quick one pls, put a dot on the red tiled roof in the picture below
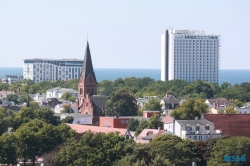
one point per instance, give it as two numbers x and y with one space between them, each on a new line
147 131
167 119
83 128
231 124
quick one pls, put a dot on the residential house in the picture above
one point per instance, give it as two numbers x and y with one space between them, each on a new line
58 92
60 107
142 101
7 102
78 118
217 104
244 110
147 135
230 124
169 103
198 129
38 97
96 129
3 94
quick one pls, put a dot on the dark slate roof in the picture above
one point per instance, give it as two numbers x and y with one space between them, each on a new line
99 102
230 124
170 99
219 101
87 65
194 122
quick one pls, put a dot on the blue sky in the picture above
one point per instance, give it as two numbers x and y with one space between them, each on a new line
121 34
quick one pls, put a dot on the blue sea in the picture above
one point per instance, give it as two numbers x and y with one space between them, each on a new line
226 75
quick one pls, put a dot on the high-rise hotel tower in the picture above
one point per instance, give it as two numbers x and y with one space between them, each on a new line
190 55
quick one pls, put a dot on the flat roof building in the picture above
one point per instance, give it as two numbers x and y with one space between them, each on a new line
190 55
39 70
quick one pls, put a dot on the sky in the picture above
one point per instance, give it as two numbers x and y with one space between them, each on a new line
121 34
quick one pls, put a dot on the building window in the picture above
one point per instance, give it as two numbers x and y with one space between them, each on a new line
197 128
122 121
207 127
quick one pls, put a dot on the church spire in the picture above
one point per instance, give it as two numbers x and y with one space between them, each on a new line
87 68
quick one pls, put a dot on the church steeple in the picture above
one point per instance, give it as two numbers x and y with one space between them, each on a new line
87 68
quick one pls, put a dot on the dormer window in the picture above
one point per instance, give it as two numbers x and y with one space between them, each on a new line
188 127
197 128
207 127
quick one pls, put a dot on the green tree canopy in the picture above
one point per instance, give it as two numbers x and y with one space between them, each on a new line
230 110
190 109
122 103
152 123
200 89
13 97
68 119
233 146
153 104
178 151
132 124
35 138
91 149
66 95
8 149
67 109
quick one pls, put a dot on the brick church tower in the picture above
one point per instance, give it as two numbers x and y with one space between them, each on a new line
88 100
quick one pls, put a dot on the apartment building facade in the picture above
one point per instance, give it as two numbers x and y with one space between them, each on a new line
39 70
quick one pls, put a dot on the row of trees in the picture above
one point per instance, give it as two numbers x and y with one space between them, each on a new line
111 149
146 87
30 133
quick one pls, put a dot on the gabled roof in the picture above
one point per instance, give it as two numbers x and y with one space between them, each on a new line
194 122
83 128
167 119
147 132
219 101
87 68
99 102
230 124
170 99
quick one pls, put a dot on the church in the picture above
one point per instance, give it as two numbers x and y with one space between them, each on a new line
88 100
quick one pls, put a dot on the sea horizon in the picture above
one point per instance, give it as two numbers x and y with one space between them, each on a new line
232 76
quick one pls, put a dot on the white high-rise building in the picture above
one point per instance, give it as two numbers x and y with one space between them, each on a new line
39 70
190 55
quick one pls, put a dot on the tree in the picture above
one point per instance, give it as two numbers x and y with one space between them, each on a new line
67 109
132 124
4 86
68 119
47 115
122 103
91 149
35 138
66 95
236 102
24 98
154 122
200 89
190 109
72 99
178 151
3 122
8 149
13 97
153 104
231 151
142 125
34 88
230 110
